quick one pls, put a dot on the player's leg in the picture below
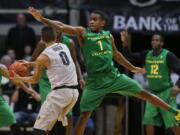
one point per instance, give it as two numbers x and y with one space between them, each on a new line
46 118
127 86
90 100
149 130
39 132
176 130
153 99
69 127
134 89
168 118
68 111
152 117
81 124
68 108
50 111
7 117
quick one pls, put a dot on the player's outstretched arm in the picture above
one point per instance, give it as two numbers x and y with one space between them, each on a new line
120 59
71 30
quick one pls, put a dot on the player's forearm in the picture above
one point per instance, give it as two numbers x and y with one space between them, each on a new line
120 59
31 64
52 23
24 87
30 91
59 26
29 79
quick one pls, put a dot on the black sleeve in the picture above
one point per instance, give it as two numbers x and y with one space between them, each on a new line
174 65
137 57
8 41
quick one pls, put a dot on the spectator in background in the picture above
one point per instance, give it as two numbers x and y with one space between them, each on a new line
141 79
12 54
6 85
6 60
25 107
27 52
19 36
174 78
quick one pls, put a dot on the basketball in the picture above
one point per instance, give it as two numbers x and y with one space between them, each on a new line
18 68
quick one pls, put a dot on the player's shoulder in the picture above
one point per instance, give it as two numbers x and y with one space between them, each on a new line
57 47
63 45
42 58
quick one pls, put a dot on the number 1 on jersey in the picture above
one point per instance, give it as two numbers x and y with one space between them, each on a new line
100 45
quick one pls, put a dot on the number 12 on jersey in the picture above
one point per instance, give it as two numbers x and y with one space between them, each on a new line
154 69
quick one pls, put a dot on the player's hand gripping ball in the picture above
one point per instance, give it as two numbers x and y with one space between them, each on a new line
18 68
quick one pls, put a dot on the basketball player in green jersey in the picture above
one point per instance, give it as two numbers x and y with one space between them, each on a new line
44 84
158 63
99 50
7 117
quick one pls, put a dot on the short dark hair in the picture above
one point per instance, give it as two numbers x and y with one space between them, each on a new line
102 15
161 36
48 34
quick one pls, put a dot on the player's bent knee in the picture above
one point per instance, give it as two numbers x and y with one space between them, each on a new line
39 132
85 116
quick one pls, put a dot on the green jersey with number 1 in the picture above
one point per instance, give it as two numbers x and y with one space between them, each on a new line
97 52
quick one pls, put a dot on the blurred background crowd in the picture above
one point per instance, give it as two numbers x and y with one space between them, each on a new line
19 34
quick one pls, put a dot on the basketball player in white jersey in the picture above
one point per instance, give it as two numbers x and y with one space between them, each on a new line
61 72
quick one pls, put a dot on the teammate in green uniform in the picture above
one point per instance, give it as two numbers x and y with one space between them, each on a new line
158 63
99 50
7 117
44 84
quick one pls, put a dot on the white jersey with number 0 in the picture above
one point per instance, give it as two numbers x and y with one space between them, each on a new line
61 70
